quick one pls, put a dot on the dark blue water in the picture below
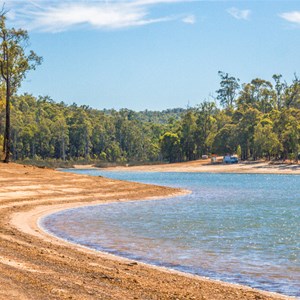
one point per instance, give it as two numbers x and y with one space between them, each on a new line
234 227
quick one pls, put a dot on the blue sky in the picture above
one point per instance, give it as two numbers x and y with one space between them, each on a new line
154 54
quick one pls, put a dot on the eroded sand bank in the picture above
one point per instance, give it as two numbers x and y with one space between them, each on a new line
35 265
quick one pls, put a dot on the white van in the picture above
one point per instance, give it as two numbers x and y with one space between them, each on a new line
230 159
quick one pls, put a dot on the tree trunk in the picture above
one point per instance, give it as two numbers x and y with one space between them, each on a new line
15 154
33 149
86 148
4 147
63 147
7 124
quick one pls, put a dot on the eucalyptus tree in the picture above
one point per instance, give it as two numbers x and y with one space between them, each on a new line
225 141
280 88
206 127
14 65
287 127
258 94
292 94
245 131
228 91
170 147
188 134
80 131
266 142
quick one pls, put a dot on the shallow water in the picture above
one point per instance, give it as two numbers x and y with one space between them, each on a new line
234 227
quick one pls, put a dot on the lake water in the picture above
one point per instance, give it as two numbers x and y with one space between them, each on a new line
237 228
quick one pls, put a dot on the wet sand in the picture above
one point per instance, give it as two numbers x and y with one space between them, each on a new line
36 265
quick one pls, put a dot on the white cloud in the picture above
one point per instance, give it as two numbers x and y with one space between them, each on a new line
293 16
191 19
239 13
56 16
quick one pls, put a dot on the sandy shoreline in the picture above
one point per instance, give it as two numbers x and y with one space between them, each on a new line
204 166
36 265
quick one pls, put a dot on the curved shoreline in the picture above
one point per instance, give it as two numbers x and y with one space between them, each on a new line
120 257
33 218
29 221
35 265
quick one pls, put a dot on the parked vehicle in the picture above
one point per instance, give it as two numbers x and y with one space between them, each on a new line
230 159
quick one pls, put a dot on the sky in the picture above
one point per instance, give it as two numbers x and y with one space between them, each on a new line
154 54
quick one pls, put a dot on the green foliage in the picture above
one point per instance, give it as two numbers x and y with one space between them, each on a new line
47 130
257 125
188 133
170 147
229 87
226 140
206 120
266 142
155 117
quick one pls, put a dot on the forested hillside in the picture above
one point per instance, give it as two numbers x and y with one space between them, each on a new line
260 119
43 129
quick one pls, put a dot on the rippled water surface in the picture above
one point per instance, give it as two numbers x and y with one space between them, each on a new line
233 227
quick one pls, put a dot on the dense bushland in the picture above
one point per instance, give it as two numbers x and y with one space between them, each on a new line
256 120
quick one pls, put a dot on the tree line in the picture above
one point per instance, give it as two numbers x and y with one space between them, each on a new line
259 119
255 120
43 129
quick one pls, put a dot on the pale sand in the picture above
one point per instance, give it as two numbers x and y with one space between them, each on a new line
204 166
36 265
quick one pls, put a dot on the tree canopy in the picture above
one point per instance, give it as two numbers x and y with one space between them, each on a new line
254 126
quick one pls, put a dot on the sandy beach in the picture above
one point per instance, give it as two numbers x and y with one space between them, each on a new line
203 166
36 265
